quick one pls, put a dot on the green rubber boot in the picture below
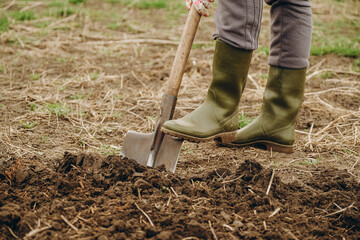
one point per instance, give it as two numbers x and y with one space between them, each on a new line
218 115
274 128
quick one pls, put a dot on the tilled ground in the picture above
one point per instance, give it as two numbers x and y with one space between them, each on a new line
92 197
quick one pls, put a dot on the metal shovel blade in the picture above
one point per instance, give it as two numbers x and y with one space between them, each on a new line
168 153
137 146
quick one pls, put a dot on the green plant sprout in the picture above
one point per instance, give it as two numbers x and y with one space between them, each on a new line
58 109
244 120
28 125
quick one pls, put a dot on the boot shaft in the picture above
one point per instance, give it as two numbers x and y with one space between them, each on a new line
230 70
283 95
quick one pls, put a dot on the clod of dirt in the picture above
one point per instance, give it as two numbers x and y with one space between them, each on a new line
142 184
21 175
195 229
10 214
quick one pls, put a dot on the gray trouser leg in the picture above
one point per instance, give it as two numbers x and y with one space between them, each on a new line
238 22
290 33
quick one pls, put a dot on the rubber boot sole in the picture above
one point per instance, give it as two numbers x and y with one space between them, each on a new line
261 144
219 136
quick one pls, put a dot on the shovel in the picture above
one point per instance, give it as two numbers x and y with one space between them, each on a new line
156 148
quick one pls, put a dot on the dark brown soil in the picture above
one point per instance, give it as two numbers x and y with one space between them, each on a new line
107 198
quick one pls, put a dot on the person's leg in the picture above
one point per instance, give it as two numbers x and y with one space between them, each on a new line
238 22
290 48
238 25
291 28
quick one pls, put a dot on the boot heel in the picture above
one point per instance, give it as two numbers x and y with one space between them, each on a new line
226 138
277 148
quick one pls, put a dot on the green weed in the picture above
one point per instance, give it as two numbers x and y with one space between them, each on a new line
147 4
63 28
351 152
65 12
276 165
264 50
311 161
1 105
42 24
106 51
28 125
190 152
43 33
57 4
61 88
356 65
35 76
82 114
58 109
116 115
153 118
158 4
61 60
77 96
77 1
32 107
23 16
174 10
264 76
119 97
200 45
2 69
347 49
61 9
327 75
94 75
114 26
109 150
44 138
4 24
108 130
186 150
81 143
164 189
244 120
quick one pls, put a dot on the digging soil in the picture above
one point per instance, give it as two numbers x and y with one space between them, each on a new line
92 197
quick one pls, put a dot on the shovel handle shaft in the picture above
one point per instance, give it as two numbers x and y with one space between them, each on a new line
183 51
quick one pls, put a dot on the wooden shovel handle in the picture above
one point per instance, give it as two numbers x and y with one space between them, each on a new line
182 53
